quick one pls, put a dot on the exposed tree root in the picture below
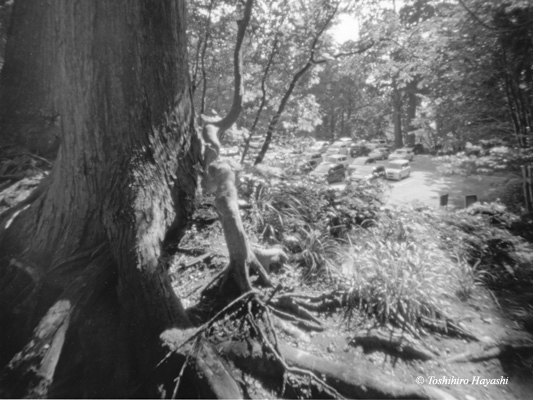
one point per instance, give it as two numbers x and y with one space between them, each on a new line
216 373
492 350
355 382
340 381
271 259
326 302
398 345
447 326
300 323
291 330
287 304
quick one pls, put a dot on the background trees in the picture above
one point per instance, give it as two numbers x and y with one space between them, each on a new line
437 71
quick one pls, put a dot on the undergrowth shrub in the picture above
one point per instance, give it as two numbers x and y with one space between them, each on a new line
481 235
306 216
412 262
485 161
398 273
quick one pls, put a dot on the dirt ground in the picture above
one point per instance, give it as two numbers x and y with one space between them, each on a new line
202 255
483 315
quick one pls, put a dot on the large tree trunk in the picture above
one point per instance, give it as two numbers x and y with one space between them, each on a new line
80 260
29 119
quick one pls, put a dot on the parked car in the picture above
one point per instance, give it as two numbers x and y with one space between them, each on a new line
314 157
398 169
404 153
319 147
367 172
359 161
375 143
338 159
330 172
338 148
358 150
378 154
307 166
345 139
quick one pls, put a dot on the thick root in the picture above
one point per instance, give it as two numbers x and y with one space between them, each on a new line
354 382
336 379
271 259
398 345
488 351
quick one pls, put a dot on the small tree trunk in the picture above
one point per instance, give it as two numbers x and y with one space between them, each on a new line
263 99
275 119
397 114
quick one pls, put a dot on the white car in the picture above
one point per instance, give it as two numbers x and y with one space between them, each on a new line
338 159
338 148
397 169
319 147
359 161
402 154
375 143
345 140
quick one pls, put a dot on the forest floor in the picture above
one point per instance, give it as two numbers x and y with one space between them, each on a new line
503 349
355 343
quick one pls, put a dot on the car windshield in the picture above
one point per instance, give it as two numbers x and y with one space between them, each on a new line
400 151
360 161
394 166
323 168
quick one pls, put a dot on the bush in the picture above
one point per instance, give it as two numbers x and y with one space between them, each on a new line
413 261
482 236
399 274
306 216
483 161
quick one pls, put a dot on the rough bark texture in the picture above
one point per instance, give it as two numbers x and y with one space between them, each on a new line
124 176
28 114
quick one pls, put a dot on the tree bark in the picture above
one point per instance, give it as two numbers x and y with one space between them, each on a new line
124 177
397 114
29 115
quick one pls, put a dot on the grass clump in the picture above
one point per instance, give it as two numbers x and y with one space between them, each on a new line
412 264
398 273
